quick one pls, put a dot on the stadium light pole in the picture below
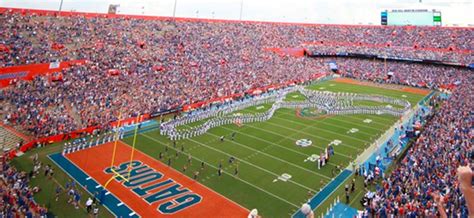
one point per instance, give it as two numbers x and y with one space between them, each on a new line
241 9
174 8
60 6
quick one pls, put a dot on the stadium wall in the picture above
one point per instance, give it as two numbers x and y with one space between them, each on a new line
9 75
77 133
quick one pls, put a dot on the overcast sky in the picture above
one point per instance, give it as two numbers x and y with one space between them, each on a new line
458 12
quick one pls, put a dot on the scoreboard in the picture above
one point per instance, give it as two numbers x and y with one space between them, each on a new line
415 17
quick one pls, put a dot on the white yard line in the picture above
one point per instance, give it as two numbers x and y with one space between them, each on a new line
255 150
308 134
319 129
292 138
333 118
244 181
326 130
276 143
269 142
340 118
376 119
358 194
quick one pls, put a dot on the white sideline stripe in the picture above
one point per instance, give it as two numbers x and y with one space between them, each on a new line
276 158
131 214
106 207
334 190
108 193
238 178
97 186
358 194
119 204
88 178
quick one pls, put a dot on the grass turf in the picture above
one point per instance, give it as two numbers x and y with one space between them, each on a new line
263 152
46 196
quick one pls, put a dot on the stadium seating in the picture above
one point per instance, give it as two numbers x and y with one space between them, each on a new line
461 57
430 164
162 64
8 140
16 194
227 58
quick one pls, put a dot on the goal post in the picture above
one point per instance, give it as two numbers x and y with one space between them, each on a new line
114 153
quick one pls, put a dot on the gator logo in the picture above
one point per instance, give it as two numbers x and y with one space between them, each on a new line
304 142
152 186
311 112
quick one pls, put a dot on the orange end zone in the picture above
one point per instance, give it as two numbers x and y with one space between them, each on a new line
154 190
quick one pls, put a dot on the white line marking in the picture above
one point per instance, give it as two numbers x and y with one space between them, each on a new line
261 139
119 204
288 137
257 151
322 129
319 129
106 207
238 178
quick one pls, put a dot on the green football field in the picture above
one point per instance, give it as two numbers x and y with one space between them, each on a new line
267 150
262 151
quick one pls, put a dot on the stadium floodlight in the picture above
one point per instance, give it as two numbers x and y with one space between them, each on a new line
174 8
60 6
241 9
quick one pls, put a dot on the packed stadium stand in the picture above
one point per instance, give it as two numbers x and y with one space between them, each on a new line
146 66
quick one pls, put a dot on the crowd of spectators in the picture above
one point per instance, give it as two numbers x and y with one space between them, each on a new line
387 51
163 64
16 195
426 177
31 38
410 74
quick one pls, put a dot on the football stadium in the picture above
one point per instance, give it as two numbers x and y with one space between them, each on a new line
236 109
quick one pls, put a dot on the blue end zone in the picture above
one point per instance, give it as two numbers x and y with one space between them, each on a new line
321 196
341 210
112 203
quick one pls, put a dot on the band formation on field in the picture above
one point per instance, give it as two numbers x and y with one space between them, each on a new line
331 103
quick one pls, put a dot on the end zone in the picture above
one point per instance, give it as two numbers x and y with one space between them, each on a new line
153 189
